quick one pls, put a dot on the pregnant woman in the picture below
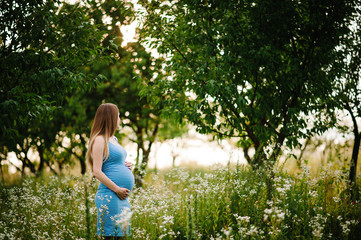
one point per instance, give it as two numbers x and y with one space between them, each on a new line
107 158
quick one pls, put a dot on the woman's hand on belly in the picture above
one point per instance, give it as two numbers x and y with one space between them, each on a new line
122 193
129 165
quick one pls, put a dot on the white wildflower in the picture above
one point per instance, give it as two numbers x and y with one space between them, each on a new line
124 218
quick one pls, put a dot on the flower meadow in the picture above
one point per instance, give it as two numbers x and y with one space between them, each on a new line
180 203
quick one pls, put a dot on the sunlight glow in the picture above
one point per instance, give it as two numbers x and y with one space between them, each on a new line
128 32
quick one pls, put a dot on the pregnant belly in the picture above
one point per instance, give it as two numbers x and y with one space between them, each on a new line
121 176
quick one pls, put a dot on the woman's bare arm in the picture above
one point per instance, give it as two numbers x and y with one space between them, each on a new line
97 154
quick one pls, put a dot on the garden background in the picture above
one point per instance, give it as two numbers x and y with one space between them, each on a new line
242 118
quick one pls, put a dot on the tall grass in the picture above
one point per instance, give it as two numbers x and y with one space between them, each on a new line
219 203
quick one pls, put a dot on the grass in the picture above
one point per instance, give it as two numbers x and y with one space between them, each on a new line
181 203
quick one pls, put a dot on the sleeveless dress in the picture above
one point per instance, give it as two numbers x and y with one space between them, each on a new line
113 214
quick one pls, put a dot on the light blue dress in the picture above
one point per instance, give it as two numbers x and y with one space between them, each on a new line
109 206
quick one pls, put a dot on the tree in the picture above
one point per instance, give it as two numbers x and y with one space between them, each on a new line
44 47
38 137
347 89
46 50
249 69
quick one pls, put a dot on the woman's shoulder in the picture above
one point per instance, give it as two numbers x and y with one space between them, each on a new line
99 139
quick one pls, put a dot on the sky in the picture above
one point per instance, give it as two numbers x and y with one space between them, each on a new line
128 32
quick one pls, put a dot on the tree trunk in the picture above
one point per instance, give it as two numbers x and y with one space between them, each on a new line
353 166
27 164
82 165
140 169
138 177
2 172
173 164
3 156
246 154
259 157
42 160
23 170
355 151
138 174
82 158
60 166
51 169
303 149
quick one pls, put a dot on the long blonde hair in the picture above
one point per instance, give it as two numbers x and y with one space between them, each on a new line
105 123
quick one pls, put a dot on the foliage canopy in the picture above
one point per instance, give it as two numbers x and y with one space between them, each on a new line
44 47
250 69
